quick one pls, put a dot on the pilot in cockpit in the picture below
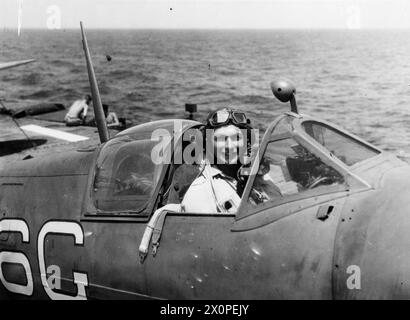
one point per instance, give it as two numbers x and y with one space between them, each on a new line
217 185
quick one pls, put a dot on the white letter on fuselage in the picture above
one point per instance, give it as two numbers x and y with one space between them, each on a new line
80 279
15 225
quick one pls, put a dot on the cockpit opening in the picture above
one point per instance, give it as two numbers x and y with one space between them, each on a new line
127 179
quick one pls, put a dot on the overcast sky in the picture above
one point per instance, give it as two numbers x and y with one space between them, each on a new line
352 14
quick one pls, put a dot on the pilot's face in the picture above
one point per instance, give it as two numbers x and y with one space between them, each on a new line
228 141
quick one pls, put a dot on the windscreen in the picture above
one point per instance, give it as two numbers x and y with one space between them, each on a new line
345 148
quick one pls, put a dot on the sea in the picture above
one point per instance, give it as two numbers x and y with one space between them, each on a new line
357 79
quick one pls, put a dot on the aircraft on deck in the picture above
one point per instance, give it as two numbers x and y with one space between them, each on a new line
29 128
336 227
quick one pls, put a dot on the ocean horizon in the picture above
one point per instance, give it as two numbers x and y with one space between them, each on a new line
358 79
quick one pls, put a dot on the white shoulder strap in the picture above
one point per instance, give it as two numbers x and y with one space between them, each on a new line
210 181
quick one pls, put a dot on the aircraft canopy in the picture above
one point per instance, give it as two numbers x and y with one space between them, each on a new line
127 172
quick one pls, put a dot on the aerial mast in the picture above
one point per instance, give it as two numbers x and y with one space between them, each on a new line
98 109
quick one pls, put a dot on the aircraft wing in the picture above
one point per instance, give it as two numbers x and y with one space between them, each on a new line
12 64
26 131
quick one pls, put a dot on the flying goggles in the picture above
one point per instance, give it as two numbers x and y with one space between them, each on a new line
224 116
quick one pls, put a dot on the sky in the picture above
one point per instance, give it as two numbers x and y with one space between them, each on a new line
206 14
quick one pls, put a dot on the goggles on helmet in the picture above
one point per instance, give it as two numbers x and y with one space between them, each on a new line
221 117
